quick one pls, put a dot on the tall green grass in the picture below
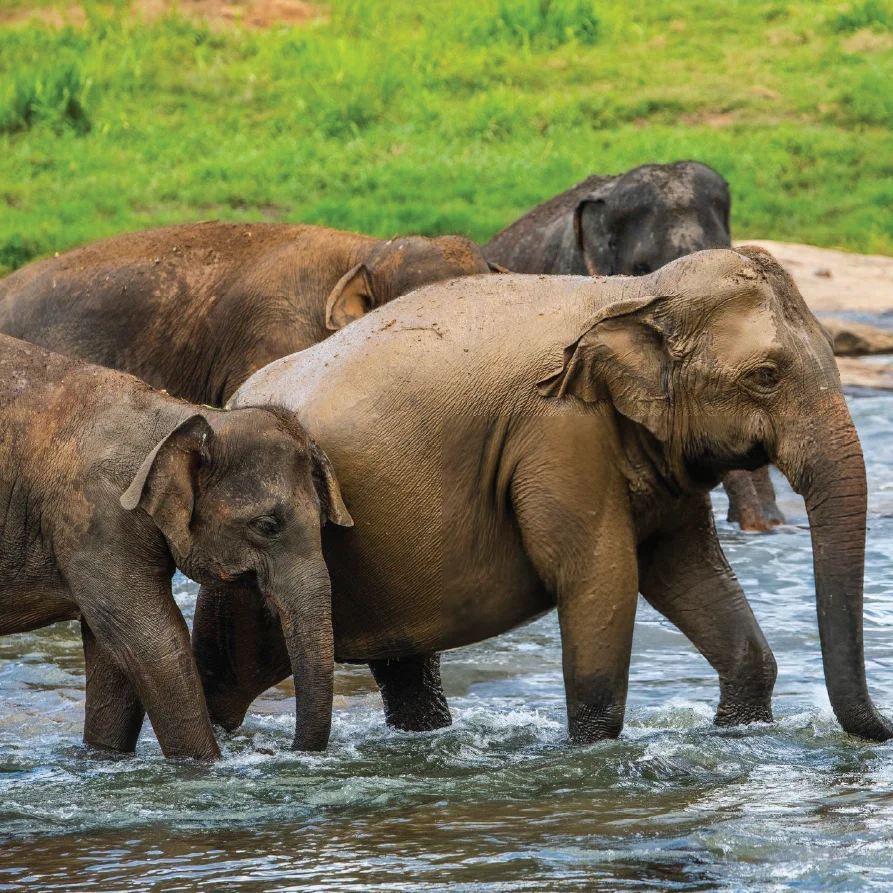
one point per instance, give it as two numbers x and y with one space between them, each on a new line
451 115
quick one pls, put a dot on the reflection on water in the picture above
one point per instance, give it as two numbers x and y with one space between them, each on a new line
499 802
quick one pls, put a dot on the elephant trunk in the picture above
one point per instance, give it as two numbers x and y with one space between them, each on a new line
304 605
831 478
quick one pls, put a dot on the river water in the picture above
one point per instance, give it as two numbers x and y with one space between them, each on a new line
498 802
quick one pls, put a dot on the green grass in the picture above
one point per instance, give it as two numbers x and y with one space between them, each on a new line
445 116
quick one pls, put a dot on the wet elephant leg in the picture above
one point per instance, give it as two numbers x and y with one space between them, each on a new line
239 649
114 712
573 512
684 574
412 692
766 494
750 507
135 618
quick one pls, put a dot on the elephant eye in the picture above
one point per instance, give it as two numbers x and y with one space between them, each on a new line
266 526
763 378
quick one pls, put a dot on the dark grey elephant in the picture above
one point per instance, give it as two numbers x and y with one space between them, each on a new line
631 224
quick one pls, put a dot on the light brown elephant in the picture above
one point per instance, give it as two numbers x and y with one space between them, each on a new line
497 471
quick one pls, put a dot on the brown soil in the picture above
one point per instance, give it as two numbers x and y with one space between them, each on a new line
255 14
834 281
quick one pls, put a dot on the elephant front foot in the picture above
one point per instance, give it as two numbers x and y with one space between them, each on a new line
412 692
742 714
588 723
746 696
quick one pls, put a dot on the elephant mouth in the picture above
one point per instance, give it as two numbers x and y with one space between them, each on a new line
707 469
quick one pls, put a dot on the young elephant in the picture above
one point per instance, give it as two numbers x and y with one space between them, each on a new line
631 224
107 487
196 309
497 472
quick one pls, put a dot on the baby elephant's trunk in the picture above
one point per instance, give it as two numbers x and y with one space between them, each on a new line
304 603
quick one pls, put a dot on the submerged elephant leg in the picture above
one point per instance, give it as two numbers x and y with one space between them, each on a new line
412 692
752 500
239 648
135 618
114 712
684 574
576 524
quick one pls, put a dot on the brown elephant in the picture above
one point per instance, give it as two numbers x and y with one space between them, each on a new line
631 224
497 472
196 309
107 487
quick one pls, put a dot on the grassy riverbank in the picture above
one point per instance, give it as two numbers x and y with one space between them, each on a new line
451 115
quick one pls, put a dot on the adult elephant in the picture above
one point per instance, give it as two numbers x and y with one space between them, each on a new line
196 309
495 473
631 224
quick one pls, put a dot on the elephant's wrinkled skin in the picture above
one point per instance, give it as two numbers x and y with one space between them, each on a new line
108 485
196 309
632 224
495 472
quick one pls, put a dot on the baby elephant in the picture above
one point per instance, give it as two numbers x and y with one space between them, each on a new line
107 486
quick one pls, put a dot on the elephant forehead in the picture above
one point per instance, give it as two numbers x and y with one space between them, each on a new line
743 330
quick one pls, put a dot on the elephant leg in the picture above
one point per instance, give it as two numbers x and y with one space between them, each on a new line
684 574
239 649
135 618
573 511
752 500
766 494
412 692
114 712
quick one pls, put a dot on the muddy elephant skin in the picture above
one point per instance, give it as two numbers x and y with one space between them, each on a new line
632 224
107 487
495 474
196 309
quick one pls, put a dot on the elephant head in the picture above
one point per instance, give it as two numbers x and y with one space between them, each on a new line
241 497
397 267
636 223
719 359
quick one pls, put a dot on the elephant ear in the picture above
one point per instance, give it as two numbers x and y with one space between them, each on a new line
592 233
166 483
622 357
328 490
351 298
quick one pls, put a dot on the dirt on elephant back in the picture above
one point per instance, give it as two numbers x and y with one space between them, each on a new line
256 14
834 282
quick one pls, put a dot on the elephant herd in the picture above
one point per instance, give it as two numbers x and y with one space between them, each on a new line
485 446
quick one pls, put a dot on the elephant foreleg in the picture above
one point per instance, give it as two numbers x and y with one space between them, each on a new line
412 692
684 575
114 712
577 530
135 618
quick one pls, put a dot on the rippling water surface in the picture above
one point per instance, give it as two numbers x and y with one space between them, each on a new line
498 802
